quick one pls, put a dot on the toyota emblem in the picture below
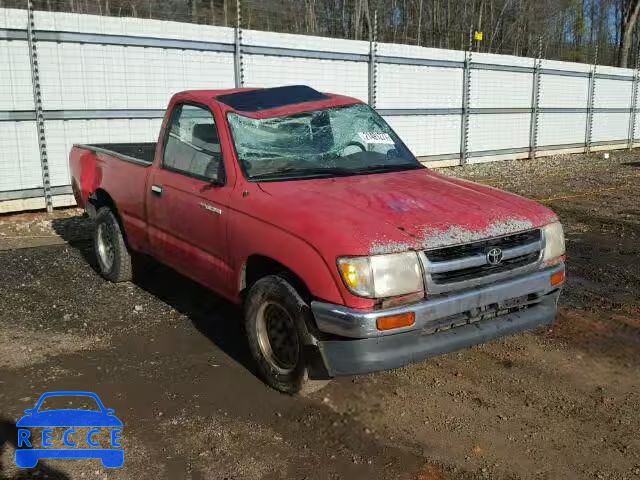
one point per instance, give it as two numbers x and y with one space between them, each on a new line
494 256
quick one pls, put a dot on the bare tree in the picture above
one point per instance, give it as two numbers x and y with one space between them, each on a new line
630 12
570 28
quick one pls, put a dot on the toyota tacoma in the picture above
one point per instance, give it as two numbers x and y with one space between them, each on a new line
347 255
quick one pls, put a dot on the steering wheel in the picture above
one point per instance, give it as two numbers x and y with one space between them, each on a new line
353 143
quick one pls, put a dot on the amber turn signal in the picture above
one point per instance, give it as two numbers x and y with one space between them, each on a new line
396 321
558 278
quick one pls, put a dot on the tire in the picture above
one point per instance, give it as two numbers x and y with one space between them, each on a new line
275 324
114 258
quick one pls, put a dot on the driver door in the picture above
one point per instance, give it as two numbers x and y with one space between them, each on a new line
188 199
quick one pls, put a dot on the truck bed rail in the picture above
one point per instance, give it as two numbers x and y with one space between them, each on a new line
139 153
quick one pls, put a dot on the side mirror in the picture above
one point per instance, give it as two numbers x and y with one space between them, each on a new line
215 172
29 410
109 411
217 182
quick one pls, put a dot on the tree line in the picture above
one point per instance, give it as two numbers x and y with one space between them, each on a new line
558 29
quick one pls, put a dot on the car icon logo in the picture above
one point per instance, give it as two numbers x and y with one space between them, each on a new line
31 448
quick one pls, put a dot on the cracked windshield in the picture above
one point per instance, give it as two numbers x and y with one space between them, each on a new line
323 143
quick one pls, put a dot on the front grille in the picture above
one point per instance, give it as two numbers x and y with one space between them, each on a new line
475 272
478 250
460 251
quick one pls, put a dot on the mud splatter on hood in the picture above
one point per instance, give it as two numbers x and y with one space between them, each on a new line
456 235
380 247
417 209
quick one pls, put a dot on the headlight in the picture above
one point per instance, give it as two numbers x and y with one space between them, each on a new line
553 242
382 276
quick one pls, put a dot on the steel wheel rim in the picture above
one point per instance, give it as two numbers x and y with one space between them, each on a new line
277 337
106 250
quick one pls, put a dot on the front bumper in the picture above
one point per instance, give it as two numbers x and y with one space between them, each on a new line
478 315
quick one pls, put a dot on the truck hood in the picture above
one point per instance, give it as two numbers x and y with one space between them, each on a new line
390 212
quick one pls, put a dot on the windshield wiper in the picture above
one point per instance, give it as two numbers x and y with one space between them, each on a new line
289 172
388 168
296 172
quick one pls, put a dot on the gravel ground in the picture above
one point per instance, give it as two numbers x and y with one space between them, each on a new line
170 358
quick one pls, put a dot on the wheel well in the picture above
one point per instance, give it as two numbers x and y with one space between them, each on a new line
259 266
100 198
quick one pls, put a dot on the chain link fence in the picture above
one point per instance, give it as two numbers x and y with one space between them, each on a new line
97 78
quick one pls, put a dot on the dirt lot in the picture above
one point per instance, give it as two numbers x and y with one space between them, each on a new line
171 360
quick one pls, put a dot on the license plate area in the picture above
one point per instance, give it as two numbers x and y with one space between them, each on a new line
514 302
479 314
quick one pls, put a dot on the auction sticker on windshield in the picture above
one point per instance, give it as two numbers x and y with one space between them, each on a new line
376 137
82 429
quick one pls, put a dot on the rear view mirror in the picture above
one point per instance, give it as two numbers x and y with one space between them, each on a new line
392 153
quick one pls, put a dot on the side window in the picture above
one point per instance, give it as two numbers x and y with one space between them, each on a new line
193 146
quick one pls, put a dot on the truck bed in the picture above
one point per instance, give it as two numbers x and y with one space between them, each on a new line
115 167
139 153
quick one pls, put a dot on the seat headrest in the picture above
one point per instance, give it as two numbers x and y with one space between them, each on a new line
205 134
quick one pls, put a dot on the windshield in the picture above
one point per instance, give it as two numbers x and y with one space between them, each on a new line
338 141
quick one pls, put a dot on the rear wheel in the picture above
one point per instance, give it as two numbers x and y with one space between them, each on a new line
114 259
275 323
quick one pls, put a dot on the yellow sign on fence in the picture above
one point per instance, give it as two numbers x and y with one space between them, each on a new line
478 36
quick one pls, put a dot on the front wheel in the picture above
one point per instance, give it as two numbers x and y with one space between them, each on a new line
114 259
275 317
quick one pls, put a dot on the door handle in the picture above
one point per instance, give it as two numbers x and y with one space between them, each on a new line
210 208
156 190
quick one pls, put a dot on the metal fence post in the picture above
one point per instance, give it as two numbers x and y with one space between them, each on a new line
592 92
634 99
535 103
466 94
373 69
237 53
37 102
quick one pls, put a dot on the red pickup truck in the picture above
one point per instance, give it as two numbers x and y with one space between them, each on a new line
347 255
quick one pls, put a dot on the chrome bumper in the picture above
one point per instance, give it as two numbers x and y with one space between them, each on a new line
348 322
361 348
351 356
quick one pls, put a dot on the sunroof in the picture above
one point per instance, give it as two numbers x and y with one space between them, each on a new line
266 98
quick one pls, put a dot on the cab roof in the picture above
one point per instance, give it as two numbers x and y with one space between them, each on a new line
270 102
268 98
